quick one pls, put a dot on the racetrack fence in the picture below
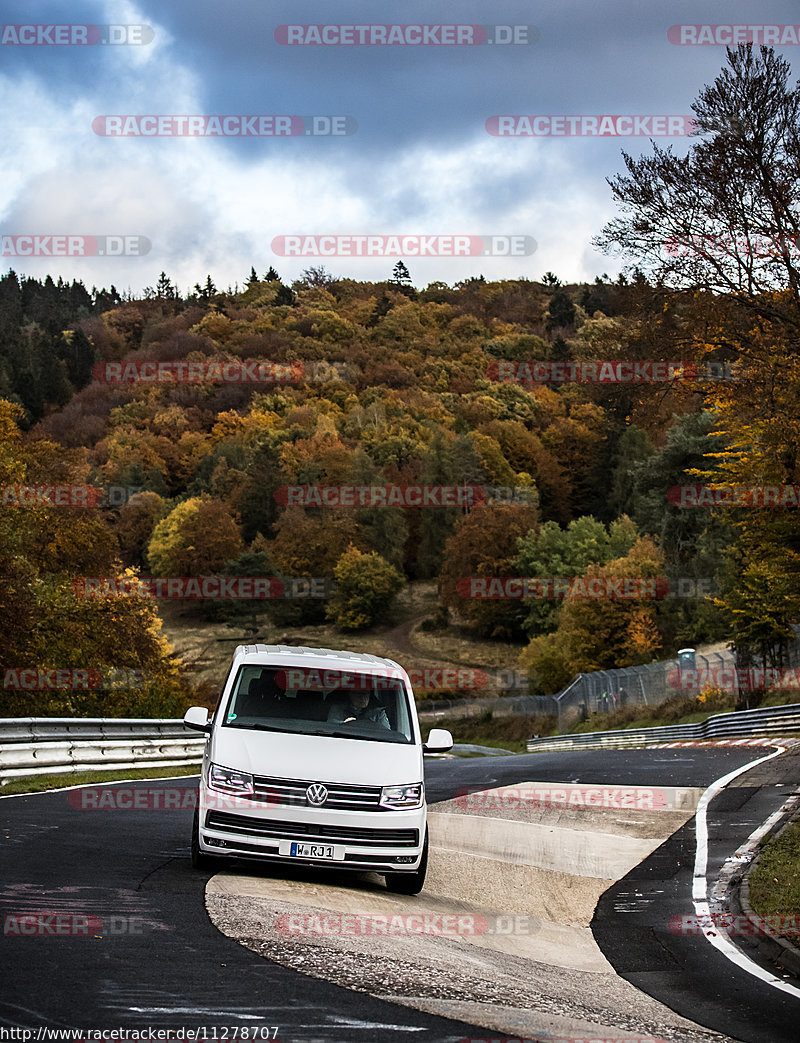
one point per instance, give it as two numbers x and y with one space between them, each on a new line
603 691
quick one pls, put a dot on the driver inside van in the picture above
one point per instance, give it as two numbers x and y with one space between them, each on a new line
359 706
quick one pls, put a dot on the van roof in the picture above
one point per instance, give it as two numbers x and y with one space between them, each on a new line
279 652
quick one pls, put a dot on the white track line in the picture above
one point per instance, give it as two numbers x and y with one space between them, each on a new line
700 885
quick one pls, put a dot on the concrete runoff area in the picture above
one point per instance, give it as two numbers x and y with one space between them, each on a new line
500 935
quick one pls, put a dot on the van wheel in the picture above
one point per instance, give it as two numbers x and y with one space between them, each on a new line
410 883
200 860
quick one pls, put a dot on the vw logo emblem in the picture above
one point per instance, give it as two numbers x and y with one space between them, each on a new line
316 794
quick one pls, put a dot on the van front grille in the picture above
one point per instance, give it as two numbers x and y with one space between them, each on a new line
292 792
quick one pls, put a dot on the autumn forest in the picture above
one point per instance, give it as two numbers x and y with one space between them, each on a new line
388 385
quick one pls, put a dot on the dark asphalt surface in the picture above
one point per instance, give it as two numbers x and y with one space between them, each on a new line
683 971
173 969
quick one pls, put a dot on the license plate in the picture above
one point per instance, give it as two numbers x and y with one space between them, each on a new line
297 849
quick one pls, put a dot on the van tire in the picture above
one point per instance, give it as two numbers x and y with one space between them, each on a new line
410 883
200 860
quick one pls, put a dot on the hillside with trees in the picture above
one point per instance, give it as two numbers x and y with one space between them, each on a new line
384 384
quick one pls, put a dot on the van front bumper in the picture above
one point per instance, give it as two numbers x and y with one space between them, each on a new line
379 842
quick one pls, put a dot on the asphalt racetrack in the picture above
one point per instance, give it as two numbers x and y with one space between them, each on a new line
151 957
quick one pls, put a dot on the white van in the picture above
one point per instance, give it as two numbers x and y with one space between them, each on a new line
315 757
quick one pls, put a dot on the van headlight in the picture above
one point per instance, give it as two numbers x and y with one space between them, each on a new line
228 780
402 796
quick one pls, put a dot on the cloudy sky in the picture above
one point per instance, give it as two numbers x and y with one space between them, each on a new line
420 162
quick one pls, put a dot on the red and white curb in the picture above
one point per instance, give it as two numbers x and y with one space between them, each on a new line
763 741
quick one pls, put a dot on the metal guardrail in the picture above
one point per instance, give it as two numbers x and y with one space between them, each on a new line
56 745
771 720
28 729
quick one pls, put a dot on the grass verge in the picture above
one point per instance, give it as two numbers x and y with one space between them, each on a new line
775 882
678 709
37 783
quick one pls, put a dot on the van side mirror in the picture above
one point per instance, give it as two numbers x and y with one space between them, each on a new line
197 717
439 741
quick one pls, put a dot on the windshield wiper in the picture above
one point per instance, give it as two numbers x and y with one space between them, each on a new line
367 736
335 735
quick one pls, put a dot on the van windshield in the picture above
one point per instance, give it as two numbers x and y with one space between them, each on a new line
342 704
